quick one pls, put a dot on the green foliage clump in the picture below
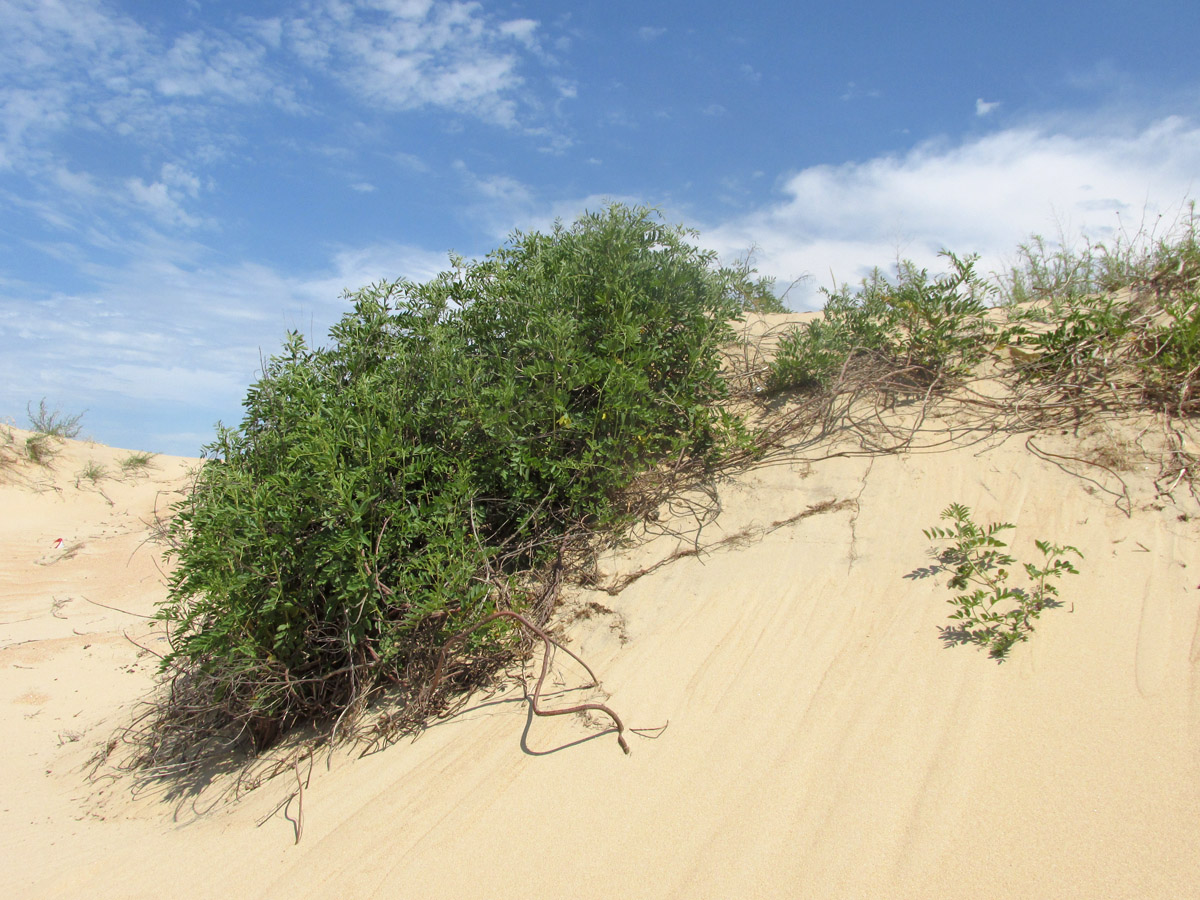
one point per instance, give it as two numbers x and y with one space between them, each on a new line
758 295
136 462
41 448
1171 357
50 427
922 328
1084 339
989 611
404 483
1127 348
1121 317
93 472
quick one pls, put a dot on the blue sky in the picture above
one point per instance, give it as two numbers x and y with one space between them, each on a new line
183 182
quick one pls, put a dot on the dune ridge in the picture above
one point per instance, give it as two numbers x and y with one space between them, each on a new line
803 730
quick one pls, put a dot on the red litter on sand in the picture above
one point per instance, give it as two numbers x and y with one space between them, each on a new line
58 543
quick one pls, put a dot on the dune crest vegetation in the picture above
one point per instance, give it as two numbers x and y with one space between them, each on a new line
429 474
427 469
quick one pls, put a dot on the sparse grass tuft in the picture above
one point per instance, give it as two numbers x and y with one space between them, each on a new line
136 462
93 472
40 448
53 423
50 427
1159 257
9 452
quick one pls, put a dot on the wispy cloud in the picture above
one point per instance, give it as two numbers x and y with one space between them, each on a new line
188 99
985 195
71 65
111 131
855 91
164 199
496 201
984 107
408 55
171 328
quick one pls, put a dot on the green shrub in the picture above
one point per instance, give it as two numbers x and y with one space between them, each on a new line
927 328
1137 347
994 614
396 487
1086 337
758 296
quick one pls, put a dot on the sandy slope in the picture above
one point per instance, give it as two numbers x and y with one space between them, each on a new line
822 741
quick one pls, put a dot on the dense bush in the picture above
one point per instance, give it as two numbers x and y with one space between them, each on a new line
384 493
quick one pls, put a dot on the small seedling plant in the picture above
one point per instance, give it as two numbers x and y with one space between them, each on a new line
990 611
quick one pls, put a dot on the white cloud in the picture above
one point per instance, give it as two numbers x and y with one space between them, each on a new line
854 91
504 189
164 198
80 64
26 115
181 179
404 9
269 31
353 268
521 30
408 55
200 65
409 161
169 329
983 195
76 184
497 201
650 33
983 107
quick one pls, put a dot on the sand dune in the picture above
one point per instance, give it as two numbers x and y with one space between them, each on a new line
820 739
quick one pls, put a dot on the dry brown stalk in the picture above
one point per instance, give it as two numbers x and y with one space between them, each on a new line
537 691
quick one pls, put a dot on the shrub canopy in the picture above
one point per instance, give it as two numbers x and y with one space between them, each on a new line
379 490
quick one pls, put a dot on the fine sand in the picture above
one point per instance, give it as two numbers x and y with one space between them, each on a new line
820 738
